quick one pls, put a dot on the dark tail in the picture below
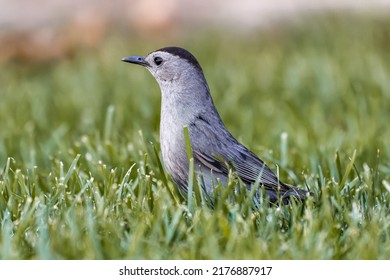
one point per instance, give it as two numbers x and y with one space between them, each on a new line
286 193
293 192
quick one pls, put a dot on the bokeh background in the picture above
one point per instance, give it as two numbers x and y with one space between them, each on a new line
44 29
304 84
309 62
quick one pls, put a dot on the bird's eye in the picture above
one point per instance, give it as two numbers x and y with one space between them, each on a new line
158 60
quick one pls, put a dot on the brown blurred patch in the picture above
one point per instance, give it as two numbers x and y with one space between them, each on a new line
49 29
150 17
85 29
46 30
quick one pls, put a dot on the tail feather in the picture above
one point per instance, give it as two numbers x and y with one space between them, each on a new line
286 193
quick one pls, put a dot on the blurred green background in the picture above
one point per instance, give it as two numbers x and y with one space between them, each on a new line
324 82
72 125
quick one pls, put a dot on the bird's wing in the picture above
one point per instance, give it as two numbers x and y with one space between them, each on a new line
249 170
217 149
211 163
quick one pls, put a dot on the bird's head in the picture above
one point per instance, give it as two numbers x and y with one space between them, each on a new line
185 93
170 65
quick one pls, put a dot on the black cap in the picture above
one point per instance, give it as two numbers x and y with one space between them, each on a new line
180 52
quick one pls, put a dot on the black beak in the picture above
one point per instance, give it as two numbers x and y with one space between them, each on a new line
136 60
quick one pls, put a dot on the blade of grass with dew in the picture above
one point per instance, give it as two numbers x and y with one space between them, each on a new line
108 123
348 169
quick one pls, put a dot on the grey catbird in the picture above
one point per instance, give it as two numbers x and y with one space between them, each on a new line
186 101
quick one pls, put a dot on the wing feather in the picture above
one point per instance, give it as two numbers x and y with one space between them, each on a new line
217 150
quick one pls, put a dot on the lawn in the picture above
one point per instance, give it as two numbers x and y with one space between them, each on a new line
80 169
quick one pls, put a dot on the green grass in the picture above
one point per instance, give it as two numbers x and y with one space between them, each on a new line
81 178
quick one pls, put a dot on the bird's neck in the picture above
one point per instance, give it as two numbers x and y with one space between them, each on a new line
184 99
181 103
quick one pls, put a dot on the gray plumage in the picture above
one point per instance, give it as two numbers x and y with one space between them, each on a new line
186 101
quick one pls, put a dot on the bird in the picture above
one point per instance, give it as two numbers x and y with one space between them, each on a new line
186 102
